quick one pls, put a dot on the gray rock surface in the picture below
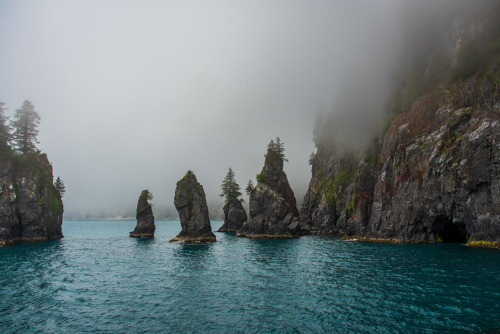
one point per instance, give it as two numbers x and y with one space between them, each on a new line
434 176
234 216
191 203
273 209
31 208
145 227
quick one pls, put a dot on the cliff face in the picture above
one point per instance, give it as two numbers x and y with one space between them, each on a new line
434 175
145 227
191 203
31 208
234 216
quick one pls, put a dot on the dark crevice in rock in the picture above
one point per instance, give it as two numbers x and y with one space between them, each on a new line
446 231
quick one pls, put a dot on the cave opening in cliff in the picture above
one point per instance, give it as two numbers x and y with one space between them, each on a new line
446 231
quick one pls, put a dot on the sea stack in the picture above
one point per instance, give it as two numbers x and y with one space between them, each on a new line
273 209
191 203
31 208
145 227
234 216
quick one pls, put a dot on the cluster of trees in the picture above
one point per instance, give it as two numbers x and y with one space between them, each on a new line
20 134
231 189
278 148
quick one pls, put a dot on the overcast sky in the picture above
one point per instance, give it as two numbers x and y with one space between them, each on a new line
132 94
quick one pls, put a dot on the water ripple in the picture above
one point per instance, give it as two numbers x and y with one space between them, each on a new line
98 280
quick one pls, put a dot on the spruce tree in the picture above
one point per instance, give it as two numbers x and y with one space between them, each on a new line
230 189
280 149
59 185
250 187
5 130
25 127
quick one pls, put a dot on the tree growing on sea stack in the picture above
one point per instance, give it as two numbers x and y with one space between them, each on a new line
59 185
25 125
250 187
191 203
5 135
234 213
273 209
145 227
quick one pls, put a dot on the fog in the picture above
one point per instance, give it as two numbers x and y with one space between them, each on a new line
132 94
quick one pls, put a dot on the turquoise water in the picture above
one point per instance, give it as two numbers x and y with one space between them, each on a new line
99 280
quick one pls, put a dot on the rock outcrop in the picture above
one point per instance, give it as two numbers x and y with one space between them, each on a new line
234 216
145 227
191 203
31 208
273 209
432 177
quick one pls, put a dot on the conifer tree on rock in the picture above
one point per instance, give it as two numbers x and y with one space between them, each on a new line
234 213
230 188
5 131
250 187
25 125
60 187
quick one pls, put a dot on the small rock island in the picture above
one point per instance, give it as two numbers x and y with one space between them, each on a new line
234 213
31 207
145 227
191 203
273 209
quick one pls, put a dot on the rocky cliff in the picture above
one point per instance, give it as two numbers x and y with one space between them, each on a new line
273 209
191 203
31 208
145 227
432 175
234 216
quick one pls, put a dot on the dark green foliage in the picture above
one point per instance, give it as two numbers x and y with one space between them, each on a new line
59 185
25 127
311 158
250 187
276 149
5 130
230 188
261 177
189 174
55 204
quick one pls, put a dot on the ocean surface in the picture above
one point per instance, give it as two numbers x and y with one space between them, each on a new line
99 280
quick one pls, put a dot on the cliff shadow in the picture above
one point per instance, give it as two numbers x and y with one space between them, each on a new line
447 231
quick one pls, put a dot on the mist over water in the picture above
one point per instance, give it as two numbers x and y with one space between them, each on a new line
132 95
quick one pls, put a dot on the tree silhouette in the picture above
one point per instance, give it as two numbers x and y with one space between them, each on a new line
230 189
59 185
250 187
25 127
5 130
